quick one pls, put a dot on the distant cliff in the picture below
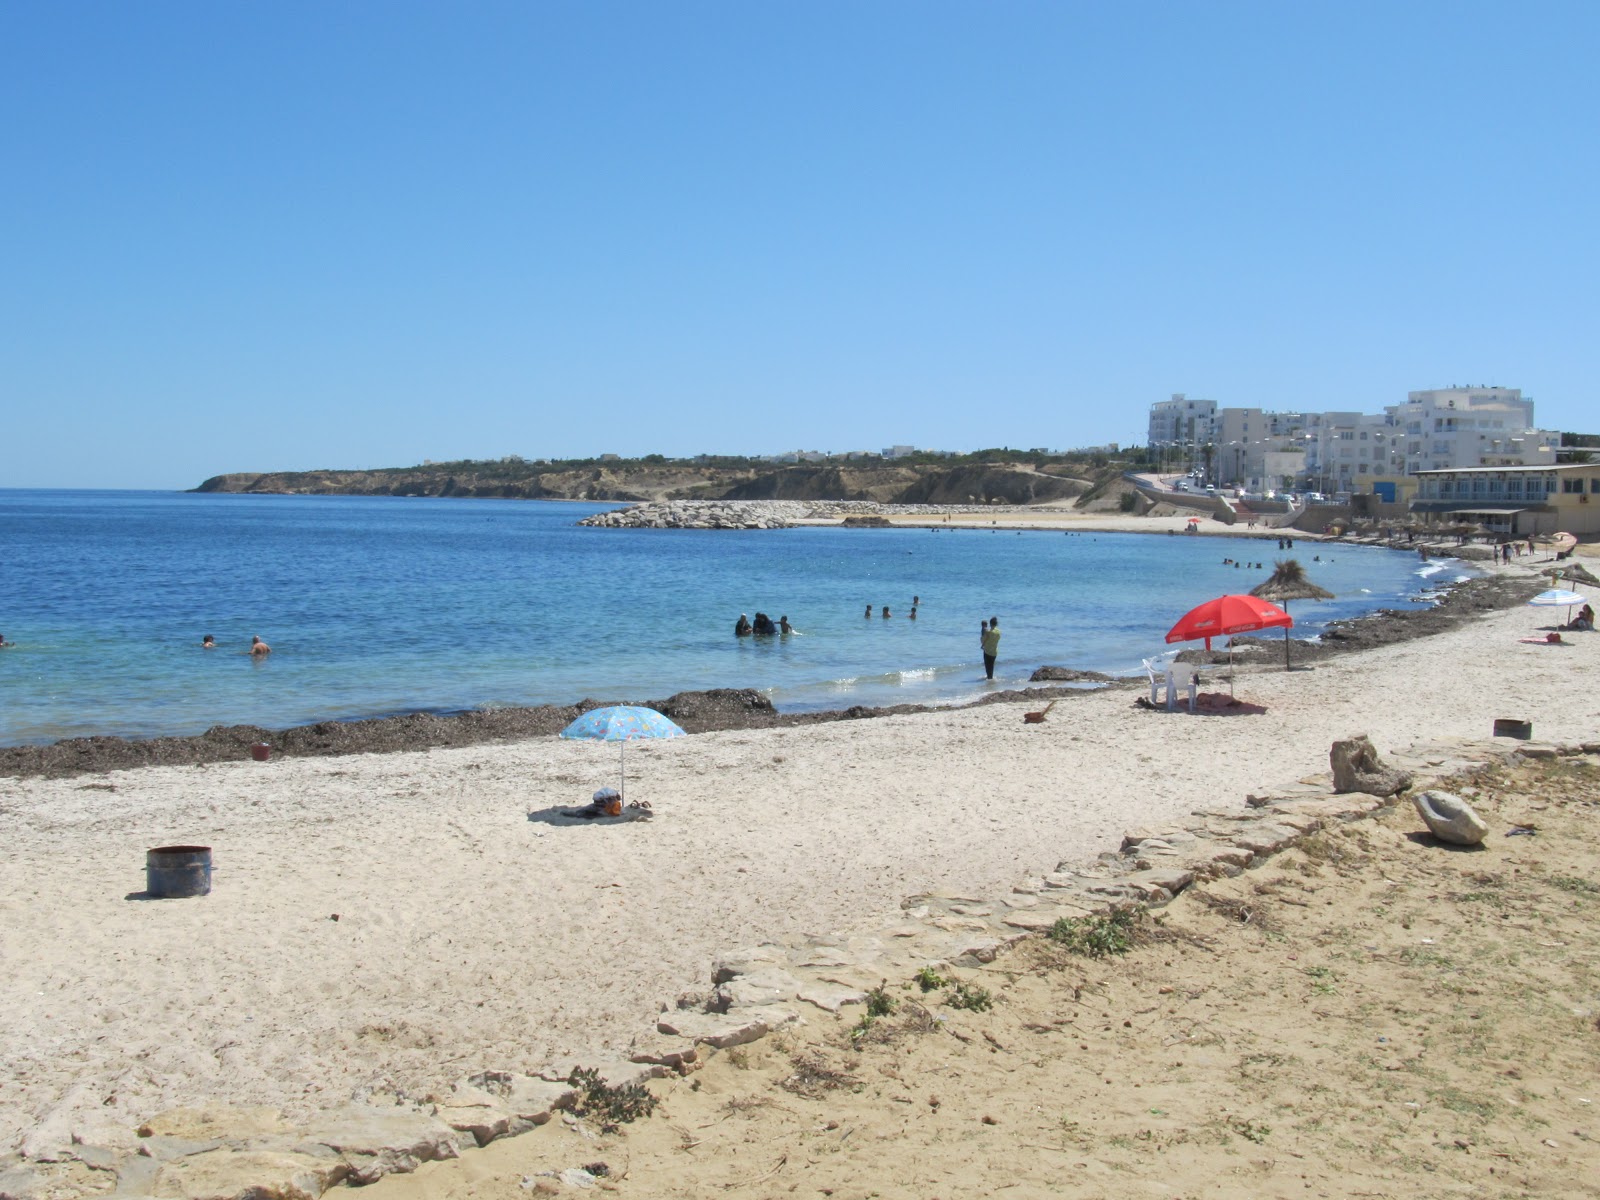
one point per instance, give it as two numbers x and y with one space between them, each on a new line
885 482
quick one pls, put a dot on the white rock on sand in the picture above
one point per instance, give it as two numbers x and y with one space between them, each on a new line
469 937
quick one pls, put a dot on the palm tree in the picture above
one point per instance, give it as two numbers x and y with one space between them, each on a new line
1288 582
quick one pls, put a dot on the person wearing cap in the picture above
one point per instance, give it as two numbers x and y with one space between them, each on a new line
741 627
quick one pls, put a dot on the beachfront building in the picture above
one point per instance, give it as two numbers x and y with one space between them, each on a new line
1513 501
1471 427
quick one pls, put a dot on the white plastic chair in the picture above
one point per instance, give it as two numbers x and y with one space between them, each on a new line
1183 675
1173 675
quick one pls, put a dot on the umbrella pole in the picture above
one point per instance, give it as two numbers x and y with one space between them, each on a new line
622 768
1286 666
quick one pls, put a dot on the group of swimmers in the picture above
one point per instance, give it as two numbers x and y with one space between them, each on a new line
886 614
258 648
761 627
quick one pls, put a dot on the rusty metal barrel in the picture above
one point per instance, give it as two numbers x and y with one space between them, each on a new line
172 872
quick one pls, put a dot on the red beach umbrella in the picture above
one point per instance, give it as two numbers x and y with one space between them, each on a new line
1225 615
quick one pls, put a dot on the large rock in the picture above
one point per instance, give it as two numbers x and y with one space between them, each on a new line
1357 768
1450 818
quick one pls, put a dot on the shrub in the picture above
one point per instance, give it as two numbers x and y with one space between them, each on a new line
611 1106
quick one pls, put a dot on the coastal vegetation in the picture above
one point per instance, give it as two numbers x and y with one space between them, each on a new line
1087 479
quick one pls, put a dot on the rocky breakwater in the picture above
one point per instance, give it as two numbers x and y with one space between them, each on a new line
696 514
773 514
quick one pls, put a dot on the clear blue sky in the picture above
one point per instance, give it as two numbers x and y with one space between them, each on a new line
281 236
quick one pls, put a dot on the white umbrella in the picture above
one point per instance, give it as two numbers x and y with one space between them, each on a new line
1558 598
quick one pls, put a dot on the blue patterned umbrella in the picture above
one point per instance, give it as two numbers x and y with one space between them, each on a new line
622 723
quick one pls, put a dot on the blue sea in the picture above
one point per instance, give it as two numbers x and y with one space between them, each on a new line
375 606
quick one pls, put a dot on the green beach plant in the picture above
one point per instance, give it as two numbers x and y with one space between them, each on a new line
1097 936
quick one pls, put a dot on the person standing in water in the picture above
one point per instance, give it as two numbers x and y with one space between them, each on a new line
258 648
991 646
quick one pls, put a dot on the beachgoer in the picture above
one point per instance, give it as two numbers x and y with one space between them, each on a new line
741 627
784 626
258 648
607 802
1584 619
912 615
208 642
886 611
869 610
916 600
763 625
5 645
991 646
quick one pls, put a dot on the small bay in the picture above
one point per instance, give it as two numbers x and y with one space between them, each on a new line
376 606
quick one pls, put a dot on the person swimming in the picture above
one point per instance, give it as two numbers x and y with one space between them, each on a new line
208 642
784 626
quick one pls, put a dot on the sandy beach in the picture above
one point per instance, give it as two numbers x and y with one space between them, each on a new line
382 925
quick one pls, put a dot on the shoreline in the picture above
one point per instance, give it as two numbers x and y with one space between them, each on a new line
710 711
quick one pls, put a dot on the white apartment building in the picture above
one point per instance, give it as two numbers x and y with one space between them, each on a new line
1450 428
1344 451
1180 426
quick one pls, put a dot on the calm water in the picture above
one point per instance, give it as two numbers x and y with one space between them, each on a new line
379 605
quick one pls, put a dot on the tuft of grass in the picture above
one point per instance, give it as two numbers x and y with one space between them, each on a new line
929 980
879 1002
970 997
1098 936
1254 1131
610 1106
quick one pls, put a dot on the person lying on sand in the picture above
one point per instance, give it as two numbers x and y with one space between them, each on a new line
607 802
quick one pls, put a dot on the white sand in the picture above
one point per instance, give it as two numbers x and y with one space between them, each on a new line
472 937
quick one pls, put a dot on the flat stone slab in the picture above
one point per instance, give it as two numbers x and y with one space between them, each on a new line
1264 837
215 1123
375 1142
524 1096
257 1174
832 997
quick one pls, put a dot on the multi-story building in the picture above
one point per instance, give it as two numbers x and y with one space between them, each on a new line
1350 451
1471 427
1181 427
